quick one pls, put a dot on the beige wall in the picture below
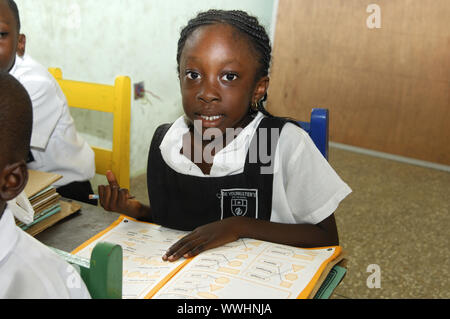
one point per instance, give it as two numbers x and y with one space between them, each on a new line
387 88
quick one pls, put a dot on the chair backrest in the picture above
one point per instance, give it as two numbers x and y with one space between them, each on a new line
114 99
318 128
102 273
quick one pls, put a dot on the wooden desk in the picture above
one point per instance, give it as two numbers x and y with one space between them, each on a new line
75 229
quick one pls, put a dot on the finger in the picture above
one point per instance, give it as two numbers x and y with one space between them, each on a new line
185 249
101 194
114 197
175 247
106 197
123 194
189 237
111 179
197 250
172 249
123 197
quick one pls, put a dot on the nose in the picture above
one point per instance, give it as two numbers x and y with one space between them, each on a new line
208 91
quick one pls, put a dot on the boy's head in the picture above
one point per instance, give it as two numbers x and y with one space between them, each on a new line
16 117
9 34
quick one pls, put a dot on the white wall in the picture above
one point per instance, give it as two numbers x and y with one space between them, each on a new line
96 40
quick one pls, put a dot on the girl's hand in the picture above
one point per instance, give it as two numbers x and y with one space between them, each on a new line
203 238
115 199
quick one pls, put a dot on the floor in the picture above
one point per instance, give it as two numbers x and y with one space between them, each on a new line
397 218
394 226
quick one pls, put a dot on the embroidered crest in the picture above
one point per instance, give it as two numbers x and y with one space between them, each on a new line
239 202
239 206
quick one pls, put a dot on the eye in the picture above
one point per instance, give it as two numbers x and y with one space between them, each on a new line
229 77
3 34
192 75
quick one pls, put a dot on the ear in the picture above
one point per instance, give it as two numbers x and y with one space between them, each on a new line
13 180
261 88
21 45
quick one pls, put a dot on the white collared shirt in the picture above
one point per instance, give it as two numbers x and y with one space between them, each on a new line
306 189
31 270
55 144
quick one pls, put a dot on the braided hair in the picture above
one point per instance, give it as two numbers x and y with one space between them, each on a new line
248 26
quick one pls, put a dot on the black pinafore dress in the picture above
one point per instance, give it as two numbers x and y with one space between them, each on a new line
184 202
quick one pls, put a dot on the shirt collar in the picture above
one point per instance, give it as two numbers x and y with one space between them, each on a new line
8 234
226 161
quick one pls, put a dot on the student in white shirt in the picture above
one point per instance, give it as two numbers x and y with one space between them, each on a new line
55 144
28 269
226 191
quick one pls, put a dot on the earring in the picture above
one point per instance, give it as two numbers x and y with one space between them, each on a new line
255 106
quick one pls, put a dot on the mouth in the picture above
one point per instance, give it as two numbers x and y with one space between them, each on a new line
210 118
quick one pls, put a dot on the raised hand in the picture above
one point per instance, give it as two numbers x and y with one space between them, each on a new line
115 199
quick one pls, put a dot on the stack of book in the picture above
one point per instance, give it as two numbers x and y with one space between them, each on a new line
46 202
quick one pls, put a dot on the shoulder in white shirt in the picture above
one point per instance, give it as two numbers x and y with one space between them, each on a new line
55 144
30 270
306 189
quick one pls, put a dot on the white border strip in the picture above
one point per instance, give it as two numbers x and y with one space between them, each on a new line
398 158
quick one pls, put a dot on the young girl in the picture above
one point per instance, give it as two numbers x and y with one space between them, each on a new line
205 171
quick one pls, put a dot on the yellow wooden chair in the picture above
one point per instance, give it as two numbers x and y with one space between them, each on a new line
114 99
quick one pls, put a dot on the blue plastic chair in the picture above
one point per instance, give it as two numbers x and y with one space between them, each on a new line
317 129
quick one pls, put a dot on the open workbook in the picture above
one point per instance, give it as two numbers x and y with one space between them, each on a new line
246 268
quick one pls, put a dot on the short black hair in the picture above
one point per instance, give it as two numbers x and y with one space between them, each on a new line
16 120
13 6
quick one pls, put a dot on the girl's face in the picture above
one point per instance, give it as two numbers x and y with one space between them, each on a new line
217 77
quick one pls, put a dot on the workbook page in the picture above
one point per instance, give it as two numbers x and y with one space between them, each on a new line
250 269
143 246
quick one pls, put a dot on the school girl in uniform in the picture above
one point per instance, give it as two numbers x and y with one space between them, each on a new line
228 169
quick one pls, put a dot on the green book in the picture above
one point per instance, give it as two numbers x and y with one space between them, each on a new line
330 283
45 214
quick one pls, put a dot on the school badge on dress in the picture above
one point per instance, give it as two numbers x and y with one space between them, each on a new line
239 202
